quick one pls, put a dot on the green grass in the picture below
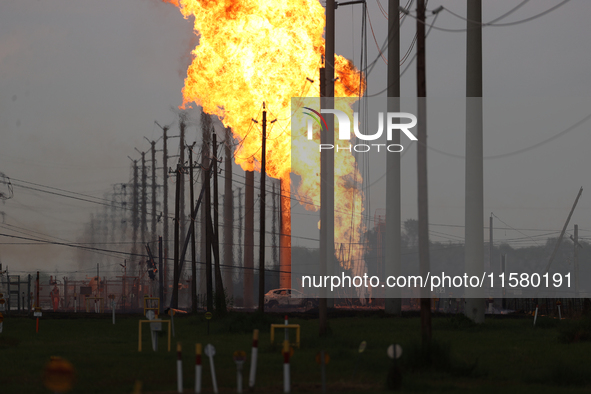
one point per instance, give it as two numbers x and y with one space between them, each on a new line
503 354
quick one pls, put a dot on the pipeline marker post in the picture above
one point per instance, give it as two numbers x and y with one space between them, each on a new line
37 314
112 298
394 379
286 337
208 316
253 358
210 352
239 358
197 367
139 345
171 313
155 328
535 315
286 326
286 354
179 368
558 303
322 359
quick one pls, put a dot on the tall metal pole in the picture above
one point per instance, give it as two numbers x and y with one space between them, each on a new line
285 232
160 272
176 273
144 209
165 209
228 216
422 181
135 218
327 170
474 200
262 217
249 240
393 191
490 245
193 261
182 216
154 186
576 260
220 298
208 235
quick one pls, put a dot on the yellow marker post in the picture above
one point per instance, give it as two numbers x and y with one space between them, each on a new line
286 326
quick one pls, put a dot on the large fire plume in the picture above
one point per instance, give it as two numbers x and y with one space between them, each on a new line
255 51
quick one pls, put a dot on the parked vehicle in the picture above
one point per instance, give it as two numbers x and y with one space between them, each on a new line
288 298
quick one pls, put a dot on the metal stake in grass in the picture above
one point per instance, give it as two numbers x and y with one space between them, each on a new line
210 352
239 358
253 358
322 359
198 368
535 315
286 354
558 303
179 368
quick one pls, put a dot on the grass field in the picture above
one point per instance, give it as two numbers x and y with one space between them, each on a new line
503 355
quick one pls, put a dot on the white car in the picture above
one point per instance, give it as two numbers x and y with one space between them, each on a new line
288 298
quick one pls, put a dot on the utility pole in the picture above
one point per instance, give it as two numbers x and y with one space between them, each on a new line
327 168
176 273
206 128
249 240
160 271
182 215
135 217
422 180
165 204
393 304
262 213
228 215
490 244
208 235
474 200
274 225
220 302
240 229
193 252
576 259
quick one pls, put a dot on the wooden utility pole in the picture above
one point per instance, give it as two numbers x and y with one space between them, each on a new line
576 259
228 216
135 217
249 240
154 187
193 261
559 241
177 205
262 213
423 196
393 304
220 298
208 234
165 207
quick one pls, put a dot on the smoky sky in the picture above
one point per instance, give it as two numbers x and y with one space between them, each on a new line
82 82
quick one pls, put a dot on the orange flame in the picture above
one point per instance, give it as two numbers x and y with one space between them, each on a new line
255 51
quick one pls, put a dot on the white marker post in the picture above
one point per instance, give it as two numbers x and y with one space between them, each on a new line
210 352
559 313
253 358
286 382
239 358
535 315
179 368
198 368
394 351
286 337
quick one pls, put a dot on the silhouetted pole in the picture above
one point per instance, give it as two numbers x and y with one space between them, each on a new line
474 200
135 217
285 232
160 272
262 213
228 216
193 252
220 298
208 234
249 240
165 206
144 219
154 186
576 259
423 196
393 191
176 273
